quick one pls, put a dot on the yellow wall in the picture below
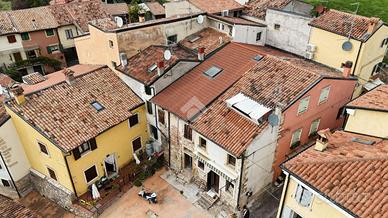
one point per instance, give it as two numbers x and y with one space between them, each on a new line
95 49
67 43
368 122
318 209
118 141
40 161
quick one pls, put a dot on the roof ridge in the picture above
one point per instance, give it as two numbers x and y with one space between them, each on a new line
350 14
353 159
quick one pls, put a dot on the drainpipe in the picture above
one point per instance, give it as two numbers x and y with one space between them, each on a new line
71 177
9 173
169 141
281 204
239 185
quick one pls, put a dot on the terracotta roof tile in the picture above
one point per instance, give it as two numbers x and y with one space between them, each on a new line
64 112
208 38
341 23
5 80
33 78
216 6
6 25
237 21
193 91
376 99
116 9
156 8
10 208
138 64
258 8
349 173
3 114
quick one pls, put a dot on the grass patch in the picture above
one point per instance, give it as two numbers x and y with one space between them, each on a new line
369 8
5 5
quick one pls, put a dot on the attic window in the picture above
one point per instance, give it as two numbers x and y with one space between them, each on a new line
98 106
151 68
363 141
258 57
193 38
213 71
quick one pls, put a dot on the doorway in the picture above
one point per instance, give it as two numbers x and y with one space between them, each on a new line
110 166
213 181
188 162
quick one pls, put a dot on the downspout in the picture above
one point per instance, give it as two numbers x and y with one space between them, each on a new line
169 141
71 177
239 185
281 204
9 173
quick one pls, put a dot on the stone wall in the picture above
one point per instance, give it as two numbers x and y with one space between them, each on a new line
24 185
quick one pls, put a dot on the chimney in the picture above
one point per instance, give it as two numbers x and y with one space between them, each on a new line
201 53
372 24
160 67
347 69
69 76
18 93
322 140
141 18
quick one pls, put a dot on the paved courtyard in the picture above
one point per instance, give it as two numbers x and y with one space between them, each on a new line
171 203
267 203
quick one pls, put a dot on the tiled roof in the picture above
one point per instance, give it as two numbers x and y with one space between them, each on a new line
33 78
33 19
209 38
116 9
376 99
156 8
6 25
138 64
10 208
5 80
237 21
351 174
216 6
234 132
341 23
193 91
64 114
258 8
3 114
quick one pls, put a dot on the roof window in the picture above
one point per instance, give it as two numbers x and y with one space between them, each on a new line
152 68
98 106
258 57
213 71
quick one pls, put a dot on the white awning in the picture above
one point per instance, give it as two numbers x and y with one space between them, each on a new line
247 106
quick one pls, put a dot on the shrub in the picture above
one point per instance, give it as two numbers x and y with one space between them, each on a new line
138 183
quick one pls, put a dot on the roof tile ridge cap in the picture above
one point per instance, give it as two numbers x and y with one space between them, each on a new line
352 159
299 67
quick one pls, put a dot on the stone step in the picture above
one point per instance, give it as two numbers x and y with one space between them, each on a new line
206 202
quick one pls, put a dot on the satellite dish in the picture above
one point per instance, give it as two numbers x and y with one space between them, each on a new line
200 19
167 55
347 46
119 21
273 120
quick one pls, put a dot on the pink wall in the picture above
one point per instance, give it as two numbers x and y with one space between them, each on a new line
341 92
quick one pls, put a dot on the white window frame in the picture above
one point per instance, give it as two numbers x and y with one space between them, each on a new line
227 161
221 26
199 143
94 179
45 32
321 101
311 126
300 105
85 152
141 142
67 31
293 135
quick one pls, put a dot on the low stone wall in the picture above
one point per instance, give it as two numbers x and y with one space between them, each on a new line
24 185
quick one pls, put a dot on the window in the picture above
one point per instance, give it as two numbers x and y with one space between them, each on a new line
201 165
149 107
11 39
324 95
31 54
295 140
161 116
221 26
277 26
114 64
84 148
258 36
154 132
384 43
52 48
229 187
43 148
133 120
213 71
69 34
136 144
314 127
97 106
230 30
303 105
17 56
1 167
148 90
340 113
110 44
90 174
231 160
202 142
172 39
50 32
303 196
5 183
188 132
25 36
52 173
377 68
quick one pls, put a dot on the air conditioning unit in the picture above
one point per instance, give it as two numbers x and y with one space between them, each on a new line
123 59
311 48
309 55
225 13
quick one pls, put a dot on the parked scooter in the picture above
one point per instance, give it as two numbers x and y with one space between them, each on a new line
150 197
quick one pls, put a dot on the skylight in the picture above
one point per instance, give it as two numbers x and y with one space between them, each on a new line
248 107
213 71
151 68
98 106
258 57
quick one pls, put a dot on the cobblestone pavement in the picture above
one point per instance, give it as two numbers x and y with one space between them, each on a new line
266 205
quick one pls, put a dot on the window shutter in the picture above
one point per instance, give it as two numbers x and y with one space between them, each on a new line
303 105
306 198
49 49
76 154
93 144
298 193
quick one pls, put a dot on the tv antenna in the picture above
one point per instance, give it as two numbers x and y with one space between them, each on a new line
347 45
167 55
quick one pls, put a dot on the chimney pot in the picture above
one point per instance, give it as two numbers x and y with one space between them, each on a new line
323 140
372 24
160 66
201 53
69 76
18 93
347 69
